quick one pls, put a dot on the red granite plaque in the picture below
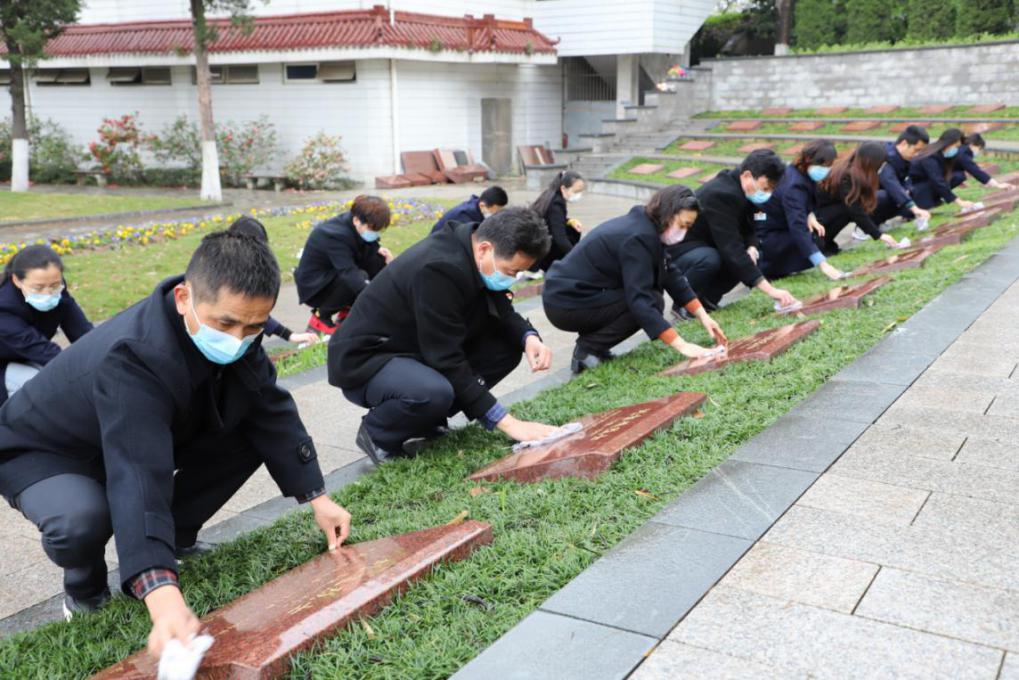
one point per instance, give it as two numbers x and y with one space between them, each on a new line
862 125
884 108
1009 178
986 108
910 259
683 173
777 111
697 145
792 150
947 235
758 347
646 169
528 291
999 198
980 128
594 449
899 127
831 110
744 125
843 297
755 146
256 635
990 168
807 125
935 109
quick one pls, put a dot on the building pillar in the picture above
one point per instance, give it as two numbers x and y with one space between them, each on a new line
627 82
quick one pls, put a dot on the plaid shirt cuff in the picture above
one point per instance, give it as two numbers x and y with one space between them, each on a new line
147 581
310 496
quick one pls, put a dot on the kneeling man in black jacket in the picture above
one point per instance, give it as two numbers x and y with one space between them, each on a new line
436 330
147 425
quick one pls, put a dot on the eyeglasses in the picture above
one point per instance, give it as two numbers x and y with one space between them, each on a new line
45 290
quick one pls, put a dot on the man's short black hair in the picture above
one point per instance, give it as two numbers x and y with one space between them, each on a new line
516 230
913 134
242 264
764 163
494 196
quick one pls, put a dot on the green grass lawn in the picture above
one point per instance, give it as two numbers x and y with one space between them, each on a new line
904 112
1007 133
731 147
19 207
661 177
545 533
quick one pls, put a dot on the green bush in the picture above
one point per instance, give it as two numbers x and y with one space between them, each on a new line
984 16
874 20
817 23
930 19
54 155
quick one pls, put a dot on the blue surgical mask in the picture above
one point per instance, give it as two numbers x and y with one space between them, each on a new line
818 172
759 197
217 346
370 236
951 153
42 301
497 280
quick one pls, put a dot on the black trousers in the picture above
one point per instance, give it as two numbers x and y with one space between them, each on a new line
927 197
333 298
886 209
73 515
599 329
835 217
407 399
707 274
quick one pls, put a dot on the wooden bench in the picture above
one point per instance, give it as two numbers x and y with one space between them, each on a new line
459 167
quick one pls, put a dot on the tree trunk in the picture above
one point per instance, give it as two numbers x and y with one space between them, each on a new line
211 189
19 125
784 10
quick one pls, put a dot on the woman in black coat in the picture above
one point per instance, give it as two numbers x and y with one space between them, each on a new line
611 284
34 304
931 171
551 205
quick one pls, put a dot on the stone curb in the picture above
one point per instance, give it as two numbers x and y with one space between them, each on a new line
85 219
604 623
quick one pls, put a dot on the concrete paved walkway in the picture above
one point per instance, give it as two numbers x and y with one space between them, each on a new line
902 559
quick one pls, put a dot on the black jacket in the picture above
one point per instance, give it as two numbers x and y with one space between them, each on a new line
894 177
931 170
787 211
564 237
622 259
121 403
855 211
427 305
965 162
26 334
468 211
335 250
725 222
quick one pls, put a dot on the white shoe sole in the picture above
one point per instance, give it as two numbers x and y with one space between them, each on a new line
68 614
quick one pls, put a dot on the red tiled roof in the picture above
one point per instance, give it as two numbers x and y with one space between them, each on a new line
356 28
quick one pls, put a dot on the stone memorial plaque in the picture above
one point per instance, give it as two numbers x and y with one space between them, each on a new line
831 110
899 127
843 297
986 108
256 635
683 173
909 259
777 111
755 146
595 448
990 168
528 291
645 169
862 125
697 145
744 125
883 108
935 109
758 347
1009 178
807 125
1001 197
980 128
947 235
792 150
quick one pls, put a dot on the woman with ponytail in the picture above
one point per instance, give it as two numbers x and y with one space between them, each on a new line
567 187
931 171
34 304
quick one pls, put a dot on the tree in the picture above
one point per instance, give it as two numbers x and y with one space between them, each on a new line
984 16
873 21
816 23
930 19
784 25
205 35
26 26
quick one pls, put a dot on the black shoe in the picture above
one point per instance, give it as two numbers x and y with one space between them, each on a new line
415 445
680 314
583 361
364 442
194 550
88 605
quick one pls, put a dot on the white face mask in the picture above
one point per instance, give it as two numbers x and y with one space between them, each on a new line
575 197
673 235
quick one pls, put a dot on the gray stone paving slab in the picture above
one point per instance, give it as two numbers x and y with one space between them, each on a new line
1004 455
827 644
1010 668
884 365
16 548
677 660
957 557
976 359
966 612
650 580
967 383
901 440
737 499
953 422
802 576
809 443
23 588
870 500
549 646
1006 404
942 398
949 513
965 479
849 400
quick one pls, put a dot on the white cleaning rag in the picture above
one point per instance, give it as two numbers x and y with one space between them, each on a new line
791 308
180 662
560 433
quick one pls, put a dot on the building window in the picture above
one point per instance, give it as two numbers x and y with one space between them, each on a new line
326 72
62 76
155 75
301 72
231 74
